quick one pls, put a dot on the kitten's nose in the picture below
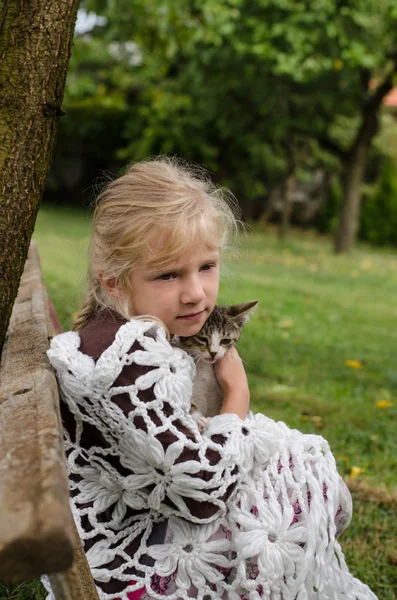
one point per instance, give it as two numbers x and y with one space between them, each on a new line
213 354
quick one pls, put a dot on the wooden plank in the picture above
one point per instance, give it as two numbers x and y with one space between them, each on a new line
36 525
76 583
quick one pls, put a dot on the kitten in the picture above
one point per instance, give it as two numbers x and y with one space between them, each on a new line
219 333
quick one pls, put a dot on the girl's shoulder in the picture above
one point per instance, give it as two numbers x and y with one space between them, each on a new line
115 349
108 333
100 332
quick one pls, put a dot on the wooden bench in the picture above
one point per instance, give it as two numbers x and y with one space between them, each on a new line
37 531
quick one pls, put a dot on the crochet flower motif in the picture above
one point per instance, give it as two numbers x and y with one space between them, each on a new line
172 369
106 491
267 533
155 467
170 366
260 439
99 555
191 555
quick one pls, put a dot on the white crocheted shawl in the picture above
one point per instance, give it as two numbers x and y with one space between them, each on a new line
250 475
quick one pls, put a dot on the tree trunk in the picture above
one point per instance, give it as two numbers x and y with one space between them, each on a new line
288 192
288 188
35 45
354 170
352 191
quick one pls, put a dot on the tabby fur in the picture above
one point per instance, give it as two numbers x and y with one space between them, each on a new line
219 333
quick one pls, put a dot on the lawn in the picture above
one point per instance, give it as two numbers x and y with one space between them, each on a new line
320 353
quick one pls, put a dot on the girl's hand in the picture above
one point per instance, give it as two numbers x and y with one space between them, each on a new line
231 376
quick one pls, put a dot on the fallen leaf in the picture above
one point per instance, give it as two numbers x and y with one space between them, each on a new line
354 364
355 472
317 420
383 403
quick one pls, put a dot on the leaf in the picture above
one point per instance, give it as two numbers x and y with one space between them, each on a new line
317 420
383 403
354 364
355 472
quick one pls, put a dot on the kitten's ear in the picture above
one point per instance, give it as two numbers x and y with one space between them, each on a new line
241 312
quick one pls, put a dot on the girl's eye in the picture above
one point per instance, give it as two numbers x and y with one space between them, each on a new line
226 342
166 276
207 267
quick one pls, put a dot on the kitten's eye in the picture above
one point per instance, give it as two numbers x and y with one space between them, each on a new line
201 339
226 341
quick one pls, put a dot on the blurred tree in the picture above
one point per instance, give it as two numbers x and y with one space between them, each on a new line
380 200
35 44
228 82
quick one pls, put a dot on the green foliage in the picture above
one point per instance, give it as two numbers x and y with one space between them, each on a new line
327 219
225 84
33 590
379 214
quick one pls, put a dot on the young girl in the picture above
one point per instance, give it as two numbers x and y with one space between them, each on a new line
245 509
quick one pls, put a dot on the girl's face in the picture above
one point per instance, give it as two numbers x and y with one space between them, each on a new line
182 295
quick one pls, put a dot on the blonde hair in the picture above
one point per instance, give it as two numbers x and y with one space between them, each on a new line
149 216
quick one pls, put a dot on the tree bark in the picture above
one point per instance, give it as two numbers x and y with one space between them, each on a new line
353 178
35 45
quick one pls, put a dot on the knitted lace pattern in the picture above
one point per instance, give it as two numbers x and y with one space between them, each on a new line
251 547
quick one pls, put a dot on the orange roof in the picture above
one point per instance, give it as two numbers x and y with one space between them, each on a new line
391 98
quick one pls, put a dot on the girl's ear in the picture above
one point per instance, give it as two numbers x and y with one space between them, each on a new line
241 312
110 286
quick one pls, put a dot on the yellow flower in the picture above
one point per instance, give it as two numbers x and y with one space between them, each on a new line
354 364
355 472
338 64
383 403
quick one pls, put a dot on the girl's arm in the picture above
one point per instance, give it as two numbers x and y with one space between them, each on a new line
231 376
196 472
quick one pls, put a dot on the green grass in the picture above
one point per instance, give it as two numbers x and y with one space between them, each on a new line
316 312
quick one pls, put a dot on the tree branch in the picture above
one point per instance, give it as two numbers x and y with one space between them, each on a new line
382 90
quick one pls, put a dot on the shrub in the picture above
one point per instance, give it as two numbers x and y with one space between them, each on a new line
378 224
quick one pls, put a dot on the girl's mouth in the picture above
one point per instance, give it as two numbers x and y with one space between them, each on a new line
192 316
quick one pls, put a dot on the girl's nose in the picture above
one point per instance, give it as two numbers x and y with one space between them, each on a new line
193 292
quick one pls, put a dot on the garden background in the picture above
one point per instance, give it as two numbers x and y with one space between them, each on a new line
292 106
